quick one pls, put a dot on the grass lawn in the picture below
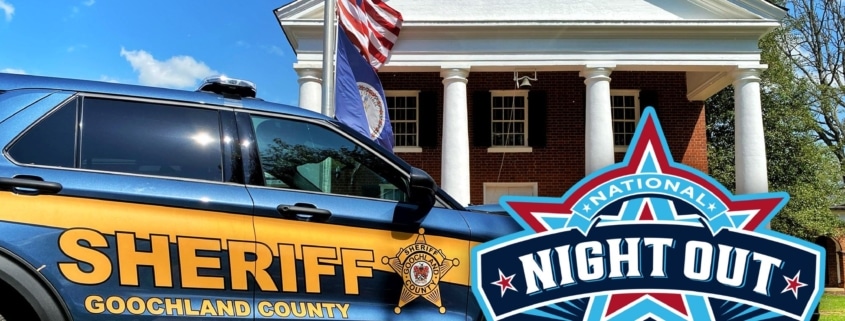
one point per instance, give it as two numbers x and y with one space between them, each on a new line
832 307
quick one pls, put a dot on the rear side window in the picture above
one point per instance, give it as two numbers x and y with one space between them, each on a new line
151 139
127 137
51 142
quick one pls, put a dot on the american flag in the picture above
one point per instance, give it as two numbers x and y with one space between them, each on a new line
372 26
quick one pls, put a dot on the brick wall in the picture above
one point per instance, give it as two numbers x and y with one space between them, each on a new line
560 164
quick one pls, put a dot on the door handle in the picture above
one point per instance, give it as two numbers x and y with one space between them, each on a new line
29 185
304 212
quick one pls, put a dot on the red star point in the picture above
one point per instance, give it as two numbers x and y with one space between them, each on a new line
646 214
622 300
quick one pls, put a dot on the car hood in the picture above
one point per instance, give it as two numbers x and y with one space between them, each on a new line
488 208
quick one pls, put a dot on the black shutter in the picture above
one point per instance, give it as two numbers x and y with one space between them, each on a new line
537 118
481 121
648 98
427 126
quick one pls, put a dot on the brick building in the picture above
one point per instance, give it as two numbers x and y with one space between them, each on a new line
462 109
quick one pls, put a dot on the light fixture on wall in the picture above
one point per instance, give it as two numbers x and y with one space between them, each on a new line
523 81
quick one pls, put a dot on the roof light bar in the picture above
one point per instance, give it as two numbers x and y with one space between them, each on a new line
229 87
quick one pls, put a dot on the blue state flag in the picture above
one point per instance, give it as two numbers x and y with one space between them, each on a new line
359 97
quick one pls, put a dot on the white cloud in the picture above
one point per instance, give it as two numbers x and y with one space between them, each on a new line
109 79
74 10
76 47
176 72
13 70
8 9
275 50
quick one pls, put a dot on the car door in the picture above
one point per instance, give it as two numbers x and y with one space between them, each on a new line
334 215
147 210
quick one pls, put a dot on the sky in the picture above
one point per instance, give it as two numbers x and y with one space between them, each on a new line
161 43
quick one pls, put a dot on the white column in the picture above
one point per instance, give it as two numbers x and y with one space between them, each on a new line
598 140
310 86
751 174
310 98
454 164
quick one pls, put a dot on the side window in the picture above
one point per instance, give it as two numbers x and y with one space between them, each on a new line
151 139
402 107
626 115
304 156
509 118
51 142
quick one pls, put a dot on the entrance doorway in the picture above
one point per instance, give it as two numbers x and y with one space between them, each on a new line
832 261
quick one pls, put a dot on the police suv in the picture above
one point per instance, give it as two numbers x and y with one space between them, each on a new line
121 202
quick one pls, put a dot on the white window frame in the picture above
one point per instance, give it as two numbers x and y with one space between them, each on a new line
532 185
525 148
625 92
416 95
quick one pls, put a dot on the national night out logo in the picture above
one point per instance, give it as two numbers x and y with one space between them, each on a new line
647 239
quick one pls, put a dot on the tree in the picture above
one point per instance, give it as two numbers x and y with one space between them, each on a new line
719 115
797 164
815 48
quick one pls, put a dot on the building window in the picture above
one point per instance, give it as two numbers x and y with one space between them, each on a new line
494 191
625 106
509 118
402 105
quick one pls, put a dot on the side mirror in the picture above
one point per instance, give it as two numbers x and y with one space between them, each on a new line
421 189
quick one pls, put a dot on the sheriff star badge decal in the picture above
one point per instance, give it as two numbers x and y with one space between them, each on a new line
421 267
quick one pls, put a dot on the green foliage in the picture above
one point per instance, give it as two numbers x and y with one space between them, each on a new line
797 163
813 45
719 115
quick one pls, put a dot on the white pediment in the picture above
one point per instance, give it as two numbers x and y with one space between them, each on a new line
705 38
416 11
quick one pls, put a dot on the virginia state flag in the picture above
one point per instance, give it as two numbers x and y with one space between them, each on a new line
359 97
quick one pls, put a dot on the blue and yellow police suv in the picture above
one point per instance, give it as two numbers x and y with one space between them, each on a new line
122 202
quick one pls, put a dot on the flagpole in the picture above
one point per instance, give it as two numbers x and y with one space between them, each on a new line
329 44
